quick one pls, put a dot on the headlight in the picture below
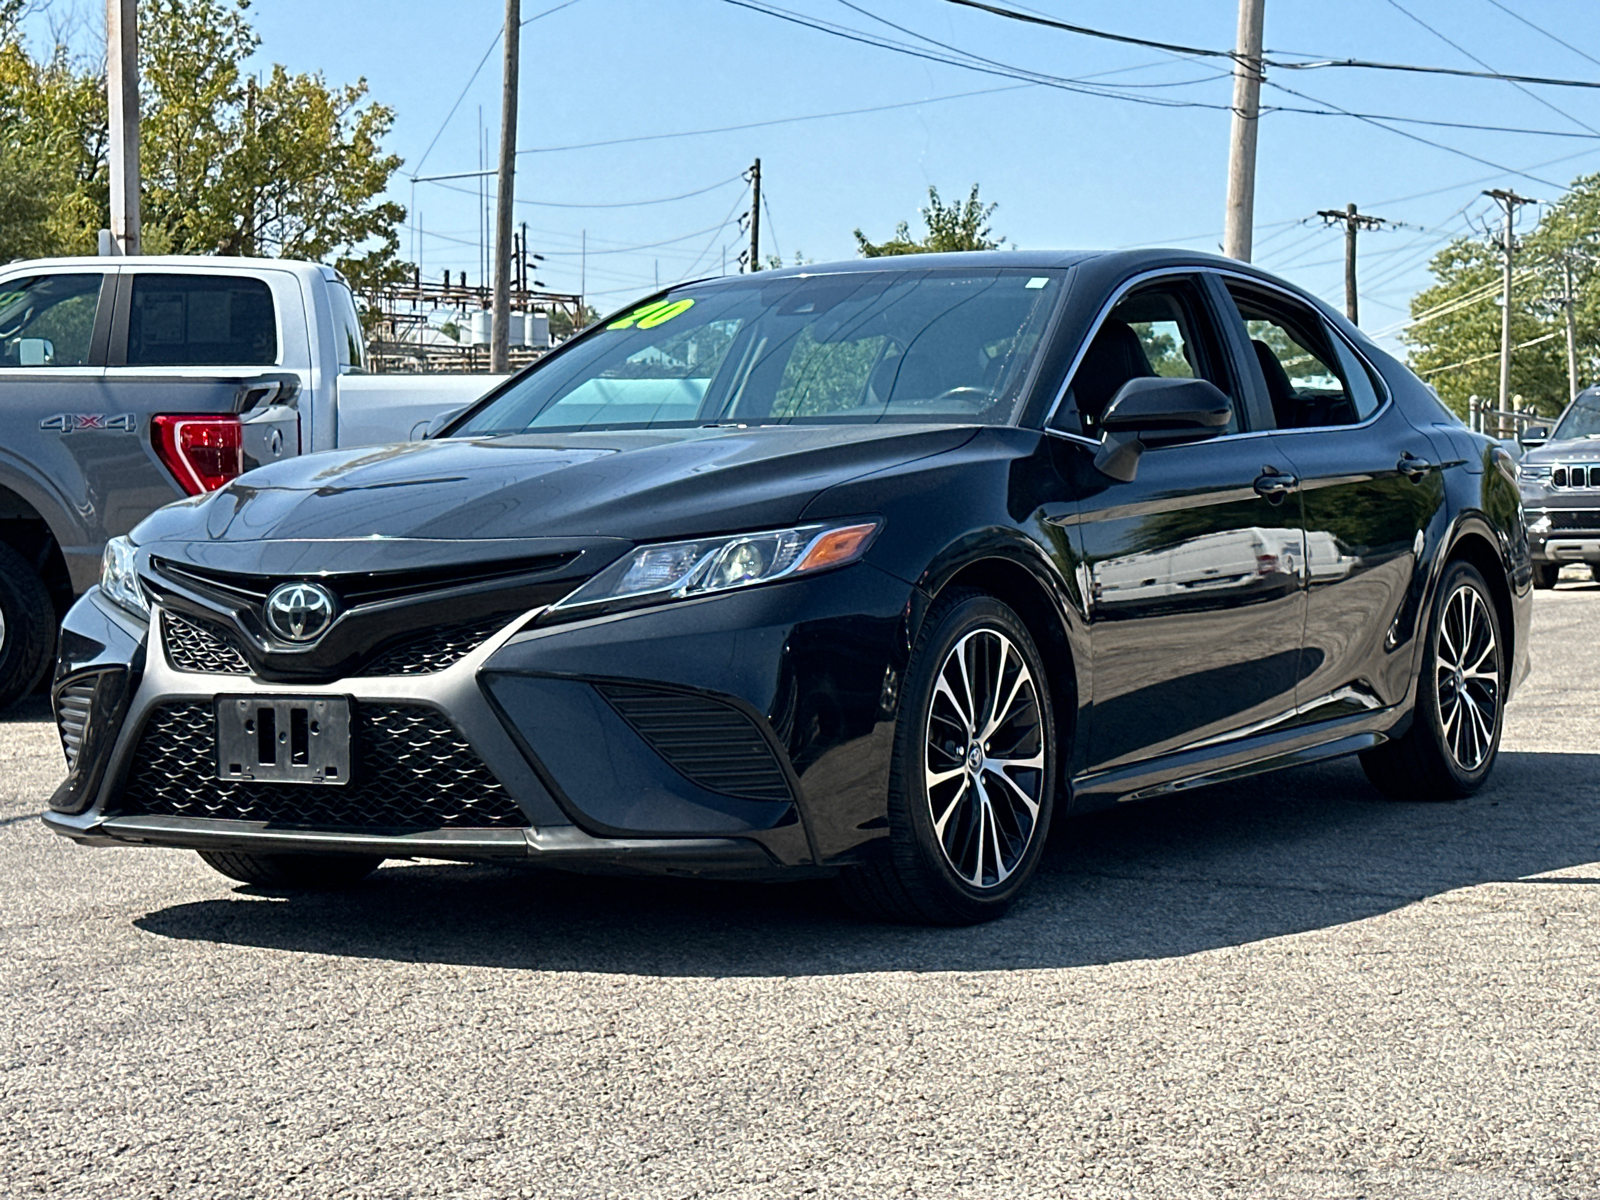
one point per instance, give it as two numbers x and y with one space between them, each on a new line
678 570
119 581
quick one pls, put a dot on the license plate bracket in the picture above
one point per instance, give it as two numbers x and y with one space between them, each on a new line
283 739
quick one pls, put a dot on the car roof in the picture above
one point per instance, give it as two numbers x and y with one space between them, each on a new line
95 262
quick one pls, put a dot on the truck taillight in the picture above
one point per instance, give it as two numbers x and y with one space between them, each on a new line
202 450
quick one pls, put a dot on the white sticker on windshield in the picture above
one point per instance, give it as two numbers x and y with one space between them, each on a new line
1038 281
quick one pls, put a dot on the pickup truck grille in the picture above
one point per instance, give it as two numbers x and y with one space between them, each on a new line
1574 519
412 772
1576 475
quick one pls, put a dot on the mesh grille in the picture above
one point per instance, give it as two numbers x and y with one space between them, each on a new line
412 772
434 650
713 744
72 717
194 645
1574 518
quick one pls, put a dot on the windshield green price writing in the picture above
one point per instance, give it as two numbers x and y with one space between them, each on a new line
652 315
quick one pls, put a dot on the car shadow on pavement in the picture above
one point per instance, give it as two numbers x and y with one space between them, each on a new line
27 710
1276 855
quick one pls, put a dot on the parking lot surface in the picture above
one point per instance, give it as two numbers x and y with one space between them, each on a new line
1283 988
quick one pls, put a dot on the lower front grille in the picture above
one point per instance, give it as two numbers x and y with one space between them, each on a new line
713 744
412 772
1575 519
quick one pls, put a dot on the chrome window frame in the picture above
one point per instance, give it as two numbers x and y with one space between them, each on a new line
1386 394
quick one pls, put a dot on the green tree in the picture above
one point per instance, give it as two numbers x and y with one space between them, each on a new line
1457 348
960 226
286 166
563 326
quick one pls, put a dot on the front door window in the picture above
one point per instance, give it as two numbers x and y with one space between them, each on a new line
48 320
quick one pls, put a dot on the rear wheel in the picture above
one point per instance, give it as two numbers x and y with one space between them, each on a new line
1455 731
27 627
1545 575
293 872
971 787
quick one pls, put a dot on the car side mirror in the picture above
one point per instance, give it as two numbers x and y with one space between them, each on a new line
423 430
35 352
1157 411
1534 435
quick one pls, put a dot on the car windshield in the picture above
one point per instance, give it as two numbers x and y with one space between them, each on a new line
1581 421
859 346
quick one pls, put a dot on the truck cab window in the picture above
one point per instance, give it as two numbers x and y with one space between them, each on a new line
48 321
201 321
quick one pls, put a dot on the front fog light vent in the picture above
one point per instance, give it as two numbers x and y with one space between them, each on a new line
72 717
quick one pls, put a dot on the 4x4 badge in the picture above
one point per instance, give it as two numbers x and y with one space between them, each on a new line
73 422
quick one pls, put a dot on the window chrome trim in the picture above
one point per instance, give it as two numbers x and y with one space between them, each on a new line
1334 330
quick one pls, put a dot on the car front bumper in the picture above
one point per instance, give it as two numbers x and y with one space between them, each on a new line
580 723
1563 534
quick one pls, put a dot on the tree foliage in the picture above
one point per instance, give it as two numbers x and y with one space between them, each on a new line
960 226
1458 350
286 166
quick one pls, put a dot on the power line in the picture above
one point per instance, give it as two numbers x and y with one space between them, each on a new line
437 179
1395 4
1319 63
1546 32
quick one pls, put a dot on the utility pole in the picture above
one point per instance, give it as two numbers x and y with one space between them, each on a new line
500 329
755 216
1569 303
1509 201
1247 76
122 95
1353 221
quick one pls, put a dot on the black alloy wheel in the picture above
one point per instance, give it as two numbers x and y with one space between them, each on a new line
293 872
971 788
1455 731
27 627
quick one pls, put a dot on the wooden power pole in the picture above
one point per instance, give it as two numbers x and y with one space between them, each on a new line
500 328
122 95
755 216
1509 202
1246 119
1353 222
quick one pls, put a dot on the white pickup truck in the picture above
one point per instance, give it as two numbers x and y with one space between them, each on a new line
127 383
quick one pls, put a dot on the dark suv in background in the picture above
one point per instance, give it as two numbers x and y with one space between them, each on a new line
1560 476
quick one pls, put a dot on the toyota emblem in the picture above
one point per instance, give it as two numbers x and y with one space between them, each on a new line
300 612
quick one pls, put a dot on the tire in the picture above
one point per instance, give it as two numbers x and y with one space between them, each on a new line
945 862
27 627
293 872
1545 575
1451 747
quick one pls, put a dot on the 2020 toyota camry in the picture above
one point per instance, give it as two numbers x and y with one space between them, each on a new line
873 570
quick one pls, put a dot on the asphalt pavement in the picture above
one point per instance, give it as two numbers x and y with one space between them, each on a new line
1283 988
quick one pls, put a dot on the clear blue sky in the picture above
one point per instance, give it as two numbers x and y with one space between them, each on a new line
1068 170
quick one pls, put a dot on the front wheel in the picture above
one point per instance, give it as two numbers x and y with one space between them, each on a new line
1455 730
27 627
293 872
972 783
1545 575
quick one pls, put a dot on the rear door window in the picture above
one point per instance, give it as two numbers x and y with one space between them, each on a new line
1311 376
201 321
48 320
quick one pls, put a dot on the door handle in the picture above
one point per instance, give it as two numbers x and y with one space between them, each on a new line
1414 468
1275 485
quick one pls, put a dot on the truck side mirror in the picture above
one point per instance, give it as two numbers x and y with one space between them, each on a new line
1157 411
1534 435
36 352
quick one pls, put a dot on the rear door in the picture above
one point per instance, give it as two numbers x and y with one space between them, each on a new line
1195 605
1371 490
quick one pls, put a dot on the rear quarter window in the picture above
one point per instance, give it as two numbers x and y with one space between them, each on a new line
201 320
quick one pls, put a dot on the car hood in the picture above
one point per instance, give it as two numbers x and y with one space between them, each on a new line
1569 450
641 485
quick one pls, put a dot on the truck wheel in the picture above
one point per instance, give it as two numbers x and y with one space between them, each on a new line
1545 575
27 627
972 780
1455 727
293 872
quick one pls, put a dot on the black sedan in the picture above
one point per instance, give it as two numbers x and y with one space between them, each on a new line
870 570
